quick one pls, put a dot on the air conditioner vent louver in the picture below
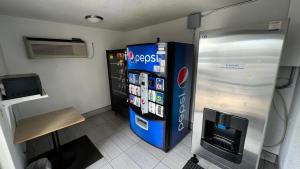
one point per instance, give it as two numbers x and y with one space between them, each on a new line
55 48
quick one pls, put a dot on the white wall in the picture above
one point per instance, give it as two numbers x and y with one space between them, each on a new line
290 149
168 31
78 82
3 67
5 159
293 51
261 11
83 82
12 155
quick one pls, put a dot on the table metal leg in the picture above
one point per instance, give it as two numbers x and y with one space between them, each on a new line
55 140
63 159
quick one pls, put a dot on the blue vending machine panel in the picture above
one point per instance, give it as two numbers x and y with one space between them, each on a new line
181 91
152 131
146 92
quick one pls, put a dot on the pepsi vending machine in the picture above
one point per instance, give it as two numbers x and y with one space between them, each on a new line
160 84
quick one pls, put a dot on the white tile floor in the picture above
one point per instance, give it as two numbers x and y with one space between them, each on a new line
121 148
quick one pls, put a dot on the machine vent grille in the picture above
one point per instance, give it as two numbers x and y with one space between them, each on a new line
55 48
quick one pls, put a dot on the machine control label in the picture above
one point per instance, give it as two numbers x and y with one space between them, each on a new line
144 92
233 66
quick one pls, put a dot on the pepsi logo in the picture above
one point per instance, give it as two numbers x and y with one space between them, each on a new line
182 76
143 101
131 56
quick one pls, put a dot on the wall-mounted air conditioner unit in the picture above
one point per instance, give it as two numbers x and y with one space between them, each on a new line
55 48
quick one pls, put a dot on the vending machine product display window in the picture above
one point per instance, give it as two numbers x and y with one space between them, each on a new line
117 73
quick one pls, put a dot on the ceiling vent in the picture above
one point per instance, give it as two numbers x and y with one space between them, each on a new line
55 48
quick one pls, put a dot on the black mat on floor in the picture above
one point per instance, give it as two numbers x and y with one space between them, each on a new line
77 154
192 164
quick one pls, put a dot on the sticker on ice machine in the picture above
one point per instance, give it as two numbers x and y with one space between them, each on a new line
232 66
275 25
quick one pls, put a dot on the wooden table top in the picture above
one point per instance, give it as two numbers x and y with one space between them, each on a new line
43 124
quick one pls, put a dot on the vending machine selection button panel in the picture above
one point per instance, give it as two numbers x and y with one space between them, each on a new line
144 92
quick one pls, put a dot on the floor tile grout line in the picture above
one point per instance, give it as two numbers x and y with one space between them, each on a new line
156 165
118 154
159 161
157 148
109 165
122 151
166 165
133 160
119 130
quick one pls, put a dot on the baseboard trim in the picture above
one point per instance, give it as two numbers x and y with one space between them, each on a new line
268 156
97 111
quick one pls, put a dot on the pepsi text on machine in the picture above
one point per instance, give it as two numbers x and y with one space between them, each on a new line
143 58
182 77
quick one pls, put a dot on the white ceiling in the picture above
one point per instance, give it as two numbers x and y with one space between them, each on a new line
120 15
